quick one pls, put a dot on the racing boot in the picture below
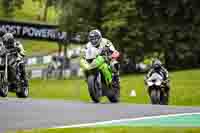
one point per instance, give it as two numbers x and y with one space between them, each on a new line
115 80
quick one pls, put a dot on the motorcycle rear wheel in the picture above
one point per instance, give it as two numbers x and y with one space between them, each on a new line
22 91
114 97
164 98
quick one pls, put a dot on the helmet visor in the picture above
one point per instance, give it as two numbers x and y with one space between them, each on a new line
94 39
9 43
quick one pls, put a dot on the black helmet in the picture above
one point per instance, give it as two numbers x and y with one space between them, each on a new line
156 64
95 37
8 40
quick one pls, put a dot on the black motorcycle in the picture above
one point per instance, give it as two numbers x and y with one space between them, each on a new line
10 75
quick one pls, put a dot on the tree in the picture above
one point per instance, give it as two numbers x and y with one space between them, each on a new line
44 7
141 27
123 27
9 6
171 27
49 3
77 16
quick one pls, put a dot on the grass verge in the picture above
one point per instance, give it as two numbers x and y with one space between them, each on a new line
185 89
117 130
36 47
29 13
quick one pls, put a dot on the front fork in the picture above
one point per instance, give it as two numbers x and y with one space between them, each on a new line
6 70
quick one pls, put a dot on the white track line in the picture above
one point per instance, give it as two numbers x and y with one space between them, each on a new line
122 120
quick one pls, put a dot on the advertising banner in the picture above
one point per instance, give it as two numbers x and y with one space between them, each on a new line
33 31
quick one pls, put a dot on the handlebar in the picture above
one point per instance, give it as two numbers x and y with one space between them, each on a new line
9 52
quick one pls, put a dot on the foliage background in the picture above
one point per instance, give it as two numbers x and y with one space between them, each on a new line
140 29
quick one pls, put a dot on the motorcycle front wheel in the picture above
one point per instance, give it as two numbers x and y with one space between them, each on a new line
3 87
23 93
93 89
155 96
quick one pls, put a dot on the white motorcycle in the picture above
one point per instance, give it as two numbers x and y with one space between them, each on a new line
156 89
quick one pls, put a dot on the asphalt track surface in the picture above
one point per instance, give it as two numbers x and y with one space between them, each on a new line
18 114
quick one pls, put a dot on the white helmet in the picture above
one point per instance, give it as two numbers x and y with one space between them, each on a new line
95 37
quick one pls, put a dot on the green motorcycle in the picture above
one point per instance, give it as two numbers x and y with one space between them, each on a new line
99 77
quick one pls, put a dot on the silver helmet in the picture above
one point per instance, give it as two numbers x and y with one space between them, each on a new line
95 37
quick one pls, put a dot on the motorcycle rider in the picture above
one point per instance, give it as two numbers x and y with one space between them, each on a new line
157 67
10 43
105 48
54 66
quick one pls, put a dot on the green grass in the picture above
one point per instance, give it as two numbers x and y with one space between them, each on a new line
29 13
117 130
34 47
59 89
185 89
